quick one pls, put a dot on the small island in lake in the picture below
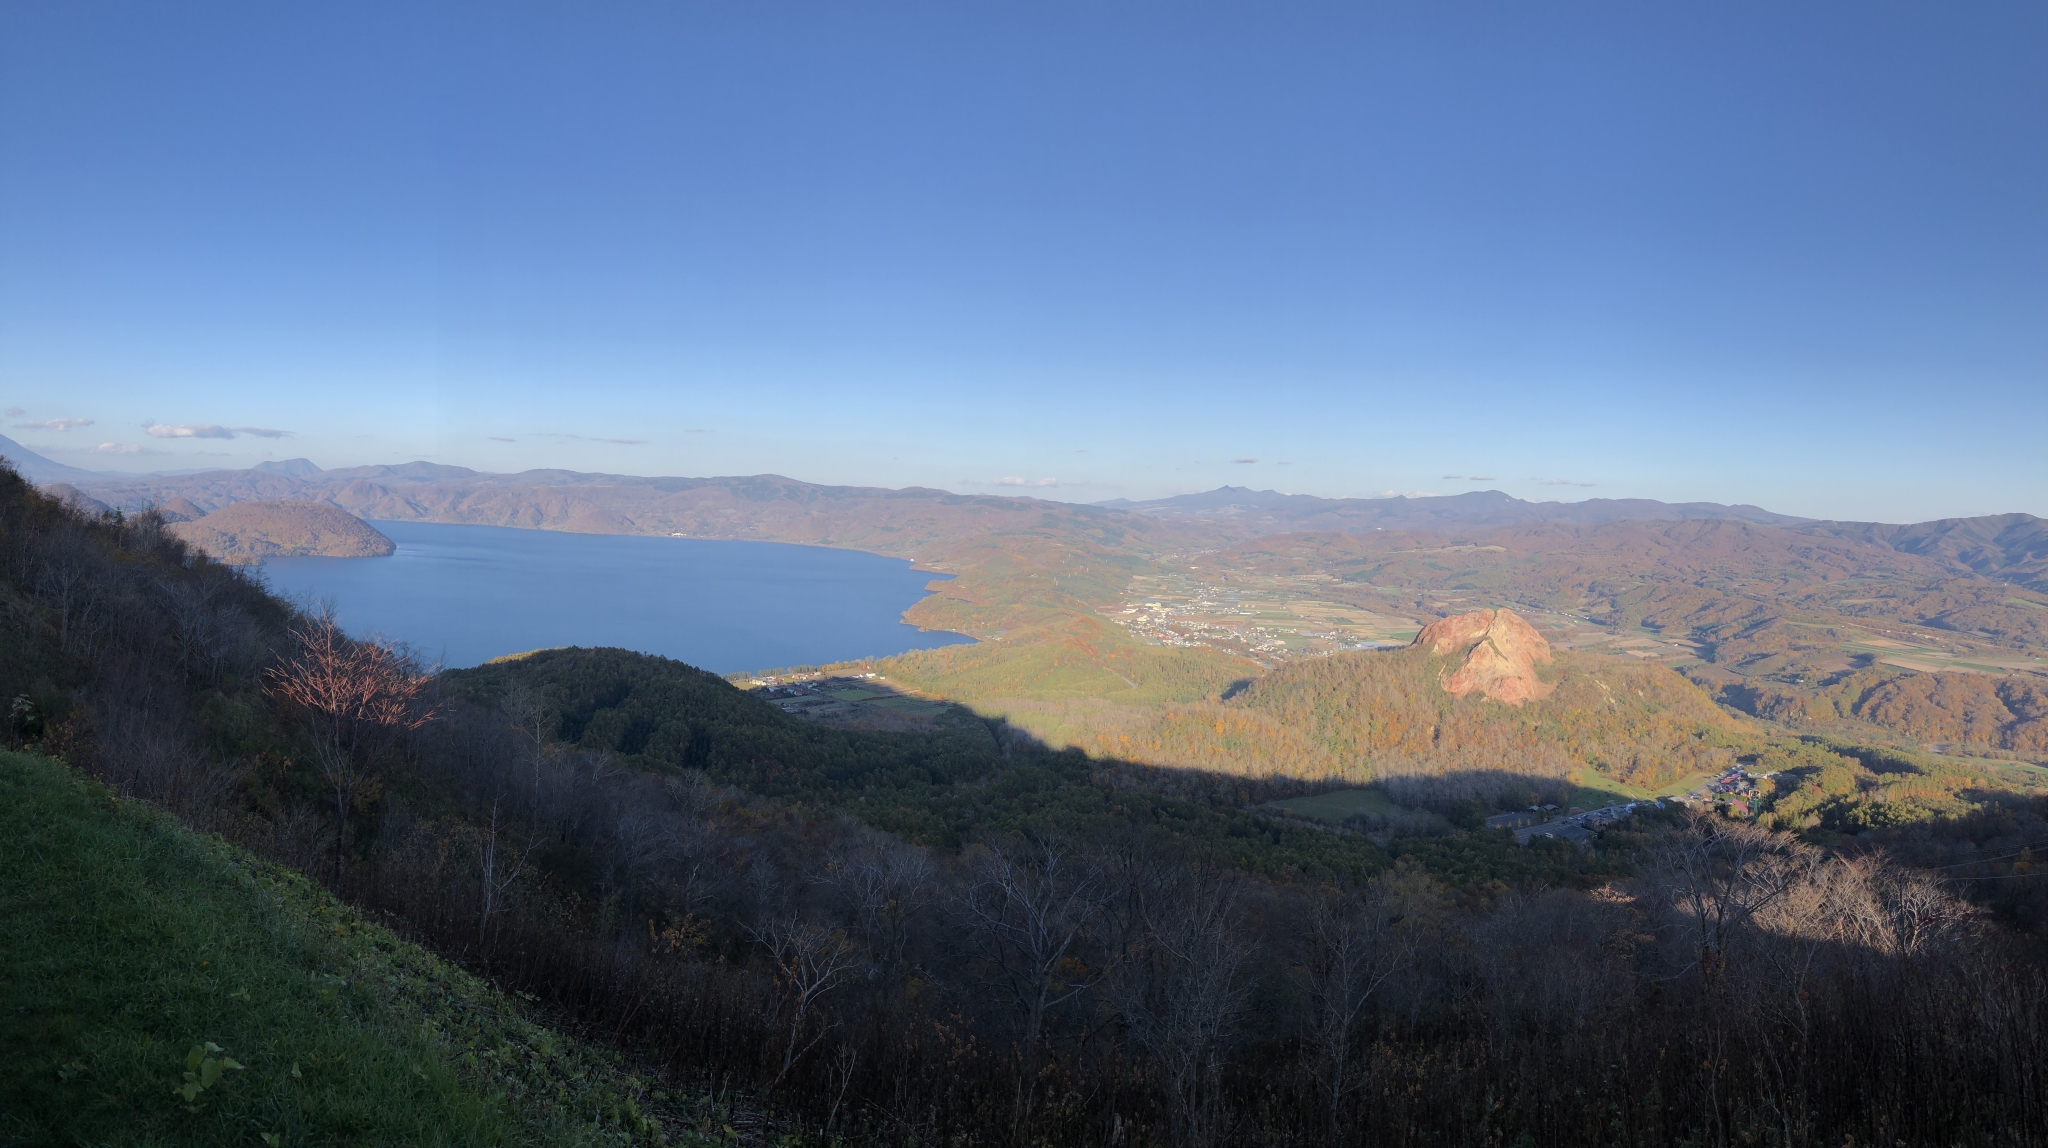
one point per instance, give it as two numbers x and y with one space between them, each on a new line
245 533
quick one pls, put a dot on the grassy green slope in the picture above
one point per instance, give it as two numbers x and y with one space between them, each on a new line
130 940
1076 658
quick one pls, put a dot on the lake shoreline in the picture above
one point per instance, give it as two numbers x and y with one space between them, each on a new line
473 592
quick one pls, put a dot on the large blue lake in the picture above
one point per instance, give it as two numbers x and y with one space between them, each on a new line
464 594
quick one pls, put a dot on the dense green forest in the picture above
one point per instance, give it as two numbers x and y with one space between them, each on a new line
969 937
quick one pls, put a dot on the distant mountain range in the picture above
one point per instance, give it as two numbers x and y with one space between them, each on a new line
2003 546
1269 510
922 521
775 506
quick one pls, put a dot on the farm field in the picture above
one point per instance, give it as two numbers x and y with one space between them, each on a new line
846 696
1933 659
1268 618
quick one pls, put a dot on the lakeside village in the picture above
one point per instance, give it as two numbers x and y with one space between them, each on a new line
865 698
1264 618
809 694
1733 792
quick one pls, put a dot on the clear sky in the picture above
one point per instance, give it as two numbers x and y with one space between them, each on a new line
1789 254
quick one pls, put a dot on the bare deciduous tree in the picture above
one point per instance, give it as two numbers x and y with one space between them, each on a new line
810 961
1180 990
1356 939
531 715
66 575
885 884
1029 908
353 695
498 869
1720 876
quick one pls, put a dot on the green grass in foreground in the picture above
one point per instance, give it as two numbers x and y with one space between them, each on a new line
130 940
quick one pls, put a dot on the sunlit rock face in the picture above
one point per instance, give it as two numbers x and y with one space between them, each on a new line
1500 653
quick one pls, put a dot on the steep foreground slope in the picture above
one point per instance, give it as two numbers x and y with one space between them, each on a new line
131 941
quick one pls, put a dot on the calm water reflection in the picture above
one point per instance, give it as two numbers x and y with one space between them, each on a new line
464 594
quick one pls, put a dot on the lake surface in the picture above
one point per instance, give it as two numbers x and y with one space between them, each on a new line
465 594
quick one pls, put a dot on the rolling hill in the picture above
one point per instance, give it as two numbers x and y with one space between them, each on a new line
248 532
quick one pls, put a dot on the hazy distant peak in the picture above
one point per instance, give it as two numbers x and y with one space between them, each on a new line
75 498
1221 498
2010 547
294 467
413 471
36 468
1473 508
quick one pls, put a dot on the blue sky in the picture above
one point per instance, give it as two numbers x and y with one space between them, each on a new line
1795 255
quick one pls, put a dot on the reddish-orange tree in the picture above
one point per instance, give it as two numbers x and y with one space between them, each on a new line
354 696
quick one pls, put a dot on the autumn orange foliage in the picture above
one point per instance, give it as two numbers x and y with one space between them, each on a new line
347 687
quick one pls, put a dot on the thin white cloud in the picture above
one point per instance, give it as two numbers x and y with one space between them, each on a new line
1013 480
13 413
1472 477
1458 476
55 424
209 430
1243 461
588 438
500 438
1564 482
118 448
